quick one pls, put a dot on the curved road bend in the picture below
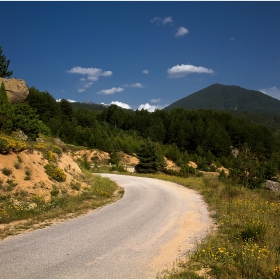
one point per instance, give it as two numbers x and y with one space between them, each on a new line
135 237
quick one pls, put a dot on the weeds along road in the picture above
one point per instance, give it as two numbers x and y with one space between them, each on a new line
135 237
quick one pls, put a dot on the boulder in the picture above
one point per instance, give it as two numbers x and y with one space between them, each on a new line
17 90
271 185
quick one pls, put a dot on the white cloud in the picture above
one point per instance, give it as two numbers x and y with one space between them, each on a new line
167 20
182 70
110 91
92 73
145 72
107 73
120 104
155 100
147 107
155 19
88 85
273 92
181 32
136 85
163 21
232 38
69 100
84 86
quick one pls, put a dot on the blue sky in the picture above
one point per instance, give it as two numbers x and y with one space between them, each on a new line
142 52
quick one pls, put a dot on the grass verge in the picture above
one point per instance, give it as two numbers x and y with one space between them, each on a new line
25 213
246 243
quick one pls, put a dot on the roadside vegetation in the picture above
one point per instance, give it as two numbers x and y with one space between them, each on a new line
246 241
25 212
21 210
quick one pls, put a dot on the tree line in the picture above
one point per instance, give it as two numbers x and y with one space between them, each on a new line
206 137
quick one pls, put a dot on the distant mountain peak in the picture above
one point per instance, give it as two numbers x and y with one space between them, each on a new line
229 98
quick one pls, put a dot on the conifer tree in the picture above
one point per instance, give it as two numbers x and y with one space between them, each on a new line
150 160
4 65
6 111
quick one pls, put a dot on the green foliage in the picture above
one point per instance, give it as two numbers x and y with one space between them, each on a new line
75 186
222 175
172 152
55 173
67 110
4 65
3 145
17 165
27 120
253 232
88 106
19 116
118 168
150 160
6 111
84 163
45 105
9 144
27 174
7 171
247 170
114 159
10 185
54 191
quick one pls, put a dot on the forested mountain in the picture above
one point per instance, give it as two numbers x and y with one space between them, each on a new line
229 98
206 137
88 106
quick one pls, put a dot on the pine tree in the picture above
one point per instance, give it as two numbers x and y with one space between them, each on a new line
247 169
150 161
6 111
4 65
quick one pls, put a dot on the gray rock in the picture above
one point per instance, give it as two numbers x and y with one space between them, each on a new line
271 185
22 136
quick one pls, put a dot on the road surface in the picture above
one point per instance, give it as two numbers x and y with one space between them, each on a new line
136 237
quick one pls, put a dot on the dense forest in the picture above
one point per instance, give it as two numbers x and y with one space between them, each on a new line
204 136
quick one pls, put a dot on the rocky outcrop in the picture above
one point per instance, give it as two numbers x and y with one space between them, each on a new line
17 90
271 185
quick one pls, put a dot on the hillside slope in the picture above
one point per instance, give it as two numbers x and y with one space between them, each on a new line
229 98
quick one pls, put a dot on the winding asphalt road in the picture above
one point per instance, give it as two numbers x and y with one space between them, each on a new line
134 237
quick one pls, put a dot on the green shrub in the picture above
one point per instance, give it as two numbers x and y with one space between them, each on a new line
253 232
223 175
28 174
84 163
10 185
19 159
7 171
55 173
8 144
75 186
17 165
54 191
118 168
3 145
